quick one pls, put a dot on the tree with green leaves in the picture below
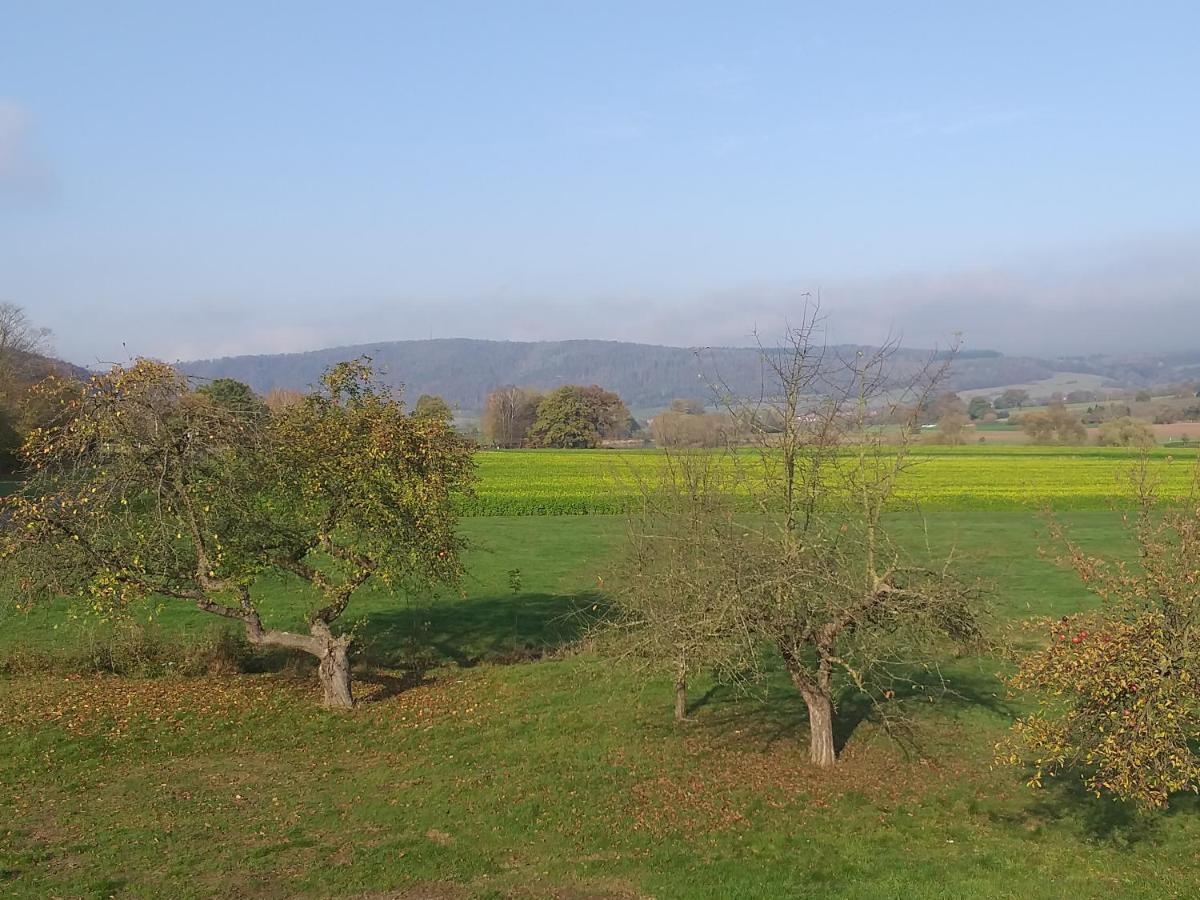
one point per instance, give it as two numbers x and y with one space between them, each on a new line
575 417
143 487
1013 397
235 396
431 406
978 408
1118 687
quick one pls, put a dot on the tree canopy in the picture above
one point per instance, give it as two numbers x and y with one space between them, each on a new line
979 407
1017 397
144 487
1125 431
431 406
574 417
236 397
1118 687
1057 425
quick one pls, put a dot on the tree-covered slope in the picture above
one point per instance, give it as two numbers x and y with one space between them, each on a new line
644 375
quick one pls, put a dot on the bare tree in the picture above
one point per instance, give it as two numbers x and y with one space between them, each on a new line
19 340
18 335
951 429
279 399
671 589
676 429
508 414
803 562
1056 425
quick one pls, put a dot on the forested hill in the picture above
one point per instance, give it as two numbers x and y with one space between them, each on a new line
31 367
646 376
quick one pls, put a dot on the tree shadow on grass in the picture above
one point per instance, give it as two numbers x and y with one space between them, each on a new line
496 629
1104 819
387 685
394 650
775 711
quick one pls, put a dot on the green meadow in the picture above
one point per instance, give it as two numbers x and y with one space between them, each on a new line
494 754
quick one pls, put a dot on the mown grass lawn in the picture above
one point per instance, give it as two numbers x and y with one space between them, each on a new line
487 771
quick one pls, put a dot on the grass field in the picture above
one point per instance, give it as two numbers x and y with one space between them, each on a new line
471 775
491 757
940 478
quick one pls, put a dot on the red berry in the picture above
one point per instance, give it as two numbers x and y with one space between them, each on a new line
1076 639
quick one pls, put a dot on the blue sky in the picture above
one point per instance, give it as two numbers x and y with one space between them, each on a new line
190 180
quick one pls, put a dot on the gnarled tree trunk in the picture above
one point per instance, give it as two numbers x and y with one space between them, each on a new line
332 653
819 699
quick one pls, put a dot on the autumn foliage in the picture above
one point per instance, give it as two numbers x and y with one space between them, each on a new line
142 487
1118 689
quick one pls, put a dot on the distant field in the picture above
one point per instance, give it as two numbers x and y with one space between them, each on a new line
558 482
1062 381
1188 431
995 433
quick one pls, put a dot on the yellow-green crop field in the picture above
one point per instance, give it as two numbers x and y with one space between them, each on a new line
573 482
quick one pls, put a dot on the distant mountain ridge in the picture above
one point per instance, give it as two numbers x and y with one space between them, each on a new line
465 370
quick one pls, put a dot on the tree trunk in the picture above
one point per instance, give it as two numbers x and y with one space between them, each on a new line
816 694
334 672
680 700
333 654
820 728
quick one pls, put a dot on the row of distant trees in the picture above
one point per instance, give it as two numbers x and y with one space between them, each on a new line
1056 423
569 417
